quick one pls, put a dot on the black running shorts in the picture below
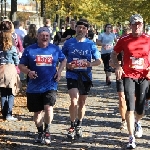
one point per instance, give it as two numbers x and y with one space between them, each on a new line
72 83
36 101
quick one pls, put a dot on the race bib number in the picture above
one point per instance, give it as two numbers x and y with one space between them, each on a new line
79 63
44 60
108 47
136 63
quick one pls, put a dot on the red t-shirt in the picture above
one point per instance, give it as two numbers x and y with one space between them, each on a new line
136 55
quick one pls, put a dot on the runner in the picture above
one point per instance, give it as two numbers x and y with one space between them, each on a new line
79 52
41 58
120 87
106 40
135 74
69 33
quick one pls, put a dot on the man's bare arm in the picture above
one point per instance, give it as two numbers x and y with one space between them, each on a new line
114 59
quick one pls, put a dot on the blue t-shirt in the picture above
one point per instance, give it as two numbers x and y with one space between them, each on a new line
43 61
80 52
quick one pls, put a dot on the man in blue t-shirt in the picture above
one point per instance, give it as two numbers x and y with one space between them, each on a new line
39 63
79 52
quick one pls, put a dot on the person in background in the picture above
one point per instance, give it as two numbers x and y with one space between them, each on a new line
9 79
21 27
58 36
69 33
18 31
31 37
106 40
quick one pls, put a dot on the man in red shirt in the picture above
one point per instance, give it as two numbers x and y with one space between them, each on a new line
135 74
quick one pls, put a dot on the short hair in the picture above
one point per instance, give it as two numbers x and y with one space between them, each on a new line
72 20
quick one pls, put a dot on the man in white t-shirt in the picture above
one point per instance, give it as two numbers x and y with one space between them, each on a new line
21 27
18 31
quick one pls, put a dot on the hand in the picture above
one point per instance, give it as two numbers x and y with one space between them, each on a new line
32 74
68 37
111 63
71 65
148 73
57 76
87 64
119 71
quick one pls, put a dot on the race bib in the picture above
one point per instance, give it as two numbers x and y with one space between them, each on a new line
136 63
79 63
44 60
108 47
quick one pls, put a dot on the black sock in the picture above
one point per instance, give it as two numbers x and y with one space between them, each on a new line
123 120
79 123
72 124
40 129
47 127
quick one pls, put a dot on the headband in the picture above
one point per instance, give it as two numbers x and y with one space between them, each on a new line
82 23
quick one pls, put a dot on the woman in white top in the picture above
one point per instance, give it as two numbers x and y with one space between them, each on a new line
107 40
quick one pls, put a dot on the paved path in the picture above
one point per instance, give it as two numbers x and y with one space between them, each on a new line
100 125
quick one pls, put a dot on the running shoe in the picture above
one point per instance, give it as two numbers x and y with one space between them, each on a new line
123 125
11 118
78 131
131 144
138 130
71 133
39 138
47 138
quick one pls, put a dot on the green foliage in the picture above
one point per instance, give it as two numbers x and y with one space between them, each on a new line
98 11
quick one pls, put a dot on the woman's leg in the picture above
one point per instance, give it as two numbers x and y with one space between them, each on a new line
4 102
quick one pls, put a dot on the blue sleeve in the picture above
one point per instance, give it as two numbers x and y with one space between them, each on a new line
61 56
65 49
25 57
95 52
15 56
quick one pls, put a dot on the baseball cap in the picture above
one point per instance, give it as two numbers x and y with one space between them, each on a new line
43 29
136 18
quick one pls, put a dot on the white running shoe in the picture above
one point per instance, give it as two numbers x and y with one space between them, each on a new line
131 144
138 130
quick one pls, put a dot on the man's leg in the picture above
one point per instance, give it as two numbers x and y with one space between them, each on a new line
81 113
141 90
122 102
49 99
74 95
122 109
129 89
38 119
35 104
81 108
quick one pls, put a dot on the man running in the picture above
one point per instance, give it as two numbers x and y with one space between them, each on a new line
69 33
42 58
135 74
120 87
79 52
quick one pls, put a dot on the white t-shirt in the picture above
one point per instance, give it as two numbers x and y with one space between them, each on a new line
20 33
